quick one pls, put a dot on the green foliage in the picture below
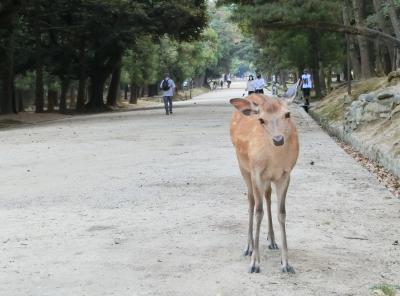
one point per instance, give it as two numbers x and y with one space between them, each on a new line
72 39
290 49
386 289
236 53
141 62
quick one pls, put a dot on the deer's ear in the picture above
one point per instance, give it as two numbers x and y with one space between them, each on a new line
244 106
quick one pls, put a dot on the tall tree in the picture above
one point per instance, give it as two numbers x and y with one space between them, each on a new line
8 21
365 55
394 17
354 52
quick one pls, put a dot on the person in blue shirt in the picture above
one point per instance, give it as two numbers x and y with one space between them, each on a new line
168 87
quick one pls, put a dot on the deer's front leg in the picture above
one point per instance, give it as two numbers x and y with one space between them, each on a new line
258 190
281 190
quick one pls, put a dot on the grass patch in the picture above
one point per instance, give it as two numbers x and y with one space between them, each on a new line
384 289
334 105
8 122
366 86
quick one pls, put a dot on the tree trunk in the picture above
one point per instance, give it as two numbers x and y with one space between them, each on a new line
313 39
104 67
365 57
96 91
51 98
63 97
379 63
113 90
80 100
126 90
134 94
329 80
283 76
72 98
394 18
8 104
382 25
354 53
20 100
396 27
322 79
39 89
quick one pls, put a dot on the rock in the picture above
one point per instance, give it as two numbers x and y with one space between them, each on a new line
394 75
396 99
379 107
384 115
369 97
372 106
385 96
378 293
395 110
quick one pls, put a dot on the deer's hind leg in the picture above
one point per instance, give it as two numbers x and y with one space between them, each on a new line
271 236
248 250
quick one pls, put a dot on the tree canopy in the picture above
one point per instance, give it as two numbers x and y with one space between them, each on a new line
311 33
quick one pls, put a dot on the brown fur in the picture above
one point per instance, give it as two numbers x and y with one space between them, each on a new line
262 162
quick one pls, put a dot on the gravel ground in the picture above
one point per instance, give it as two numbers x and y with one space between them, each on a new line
139 203
383 175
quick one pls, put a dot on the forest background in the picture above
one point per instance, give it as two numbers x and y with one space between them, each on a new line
85 55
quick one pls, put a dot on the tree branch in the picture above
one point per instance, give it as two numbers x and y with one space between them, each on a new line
330 27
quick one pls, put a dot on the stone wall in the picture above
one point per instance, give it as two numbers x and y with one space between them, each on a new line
371 124
382 104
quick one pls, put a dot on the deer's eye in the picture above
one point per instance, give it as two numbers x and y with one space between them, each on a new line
287 115
261 120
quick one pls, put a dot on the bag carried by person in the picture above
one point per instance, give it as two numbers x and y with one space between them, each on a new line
165 85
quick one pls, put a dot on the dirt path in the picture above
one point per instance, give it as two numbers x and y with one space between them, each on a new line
140 203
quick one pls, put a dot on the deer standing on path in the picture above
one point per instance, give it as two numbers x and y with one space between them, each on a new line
267 148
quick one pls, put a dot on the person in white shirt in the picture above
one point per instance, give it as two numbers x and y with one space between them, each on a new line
250 85
306 85
168 87
259 84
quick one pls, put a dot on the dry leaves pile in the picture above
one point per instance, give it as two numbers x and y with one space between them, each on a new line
384 176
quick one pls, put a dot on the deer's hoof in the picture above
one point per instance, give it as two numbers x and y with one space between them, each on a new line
273 246
247 252
254 269
287 269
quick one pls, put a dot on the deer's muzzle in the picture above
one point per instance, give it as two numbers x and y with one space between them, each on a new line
278 140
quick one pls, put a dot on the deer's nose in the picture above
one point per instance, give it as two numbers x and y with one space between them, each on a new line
278 140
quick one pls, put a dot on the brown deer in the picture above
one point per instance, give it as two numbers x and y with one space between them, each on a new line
267 148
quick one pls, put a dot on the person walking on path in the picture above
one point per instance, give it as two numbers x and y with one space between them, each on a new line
259 84
168 87
306 85
228 80
250 85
